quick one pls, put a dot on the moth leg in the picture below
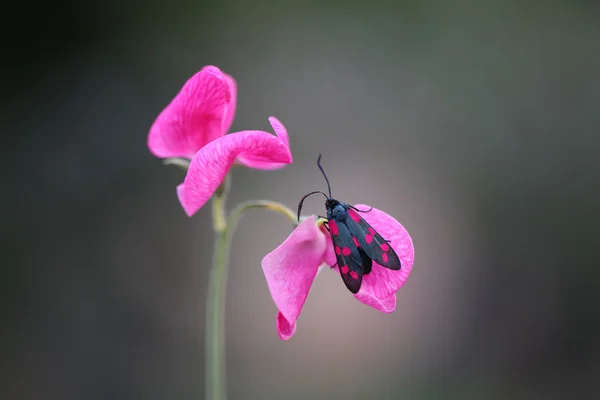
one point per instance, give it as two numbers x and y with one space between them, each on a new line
362 211
325 224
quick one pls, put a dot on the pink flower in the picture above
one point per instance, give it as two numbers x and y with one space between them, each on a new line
202 111
255 149
291 268
194 125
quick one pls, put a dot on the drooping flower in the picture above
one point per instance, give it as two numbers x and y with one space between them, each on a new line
291 268
194 126
255 149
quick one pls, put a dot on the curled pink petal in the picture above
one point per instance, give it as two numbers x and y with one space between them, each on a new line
256 161
180 191
194 117
280 130
285 329
382 282
211 164
290 271
230 112
386 305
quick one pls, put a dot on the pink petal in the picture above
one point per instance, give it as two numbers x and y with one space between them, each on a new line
256 161
290 271
212 163
386 305
194 117
180 191
284 329
329 255
280 130
381 283
230 113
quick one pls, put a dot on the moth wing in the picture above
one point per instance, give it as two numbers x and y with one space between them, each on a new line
349 258
371 242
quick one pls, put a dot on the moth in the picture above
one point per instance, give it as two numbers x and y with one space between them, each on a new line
357 244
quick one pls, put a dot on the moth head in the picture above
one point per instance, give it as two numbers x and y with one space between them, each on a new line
331 203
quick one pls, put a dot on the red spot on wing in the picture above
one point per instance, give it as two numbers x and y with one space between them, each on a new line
384 257
384 246
372 231
344 269
355 241
369 238
338 251
354 215
333 227
346 251
353 274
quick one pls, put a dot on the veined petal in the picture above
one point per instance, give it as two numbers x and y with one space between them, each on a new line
230 112
256 161
211 164
194 117
381 283
290 271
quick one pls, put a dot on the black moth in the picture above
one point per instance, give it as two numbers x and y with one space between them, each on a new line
356 243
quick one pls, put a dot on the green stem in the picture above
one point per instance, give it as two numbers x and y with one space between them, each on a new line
182 163
215 315
241 208
215 311
215 338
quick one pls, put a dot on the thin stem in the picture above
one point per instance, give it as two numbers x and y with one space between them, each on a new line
218 209
241 208
215 313
215 318
182 163
218 214
217 287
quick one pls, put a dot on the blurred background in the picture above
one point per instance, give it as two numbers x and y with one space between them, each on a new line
474 123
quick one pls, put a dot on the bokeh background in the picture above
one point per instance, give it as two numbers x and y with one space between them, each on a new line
474 123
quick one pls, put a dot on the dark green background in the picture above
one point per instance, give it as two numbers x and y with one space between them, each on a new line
474 123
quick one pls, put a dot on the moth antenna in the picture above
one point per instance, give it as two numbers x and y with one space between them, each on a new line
305 196
323 172
362 211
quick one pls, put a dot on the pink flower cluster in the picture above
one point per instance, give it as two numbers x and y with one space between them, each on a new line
195 125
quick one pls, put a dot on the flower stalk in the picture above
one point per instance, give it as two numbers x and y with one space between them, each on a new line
193 133
181 163
215 313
